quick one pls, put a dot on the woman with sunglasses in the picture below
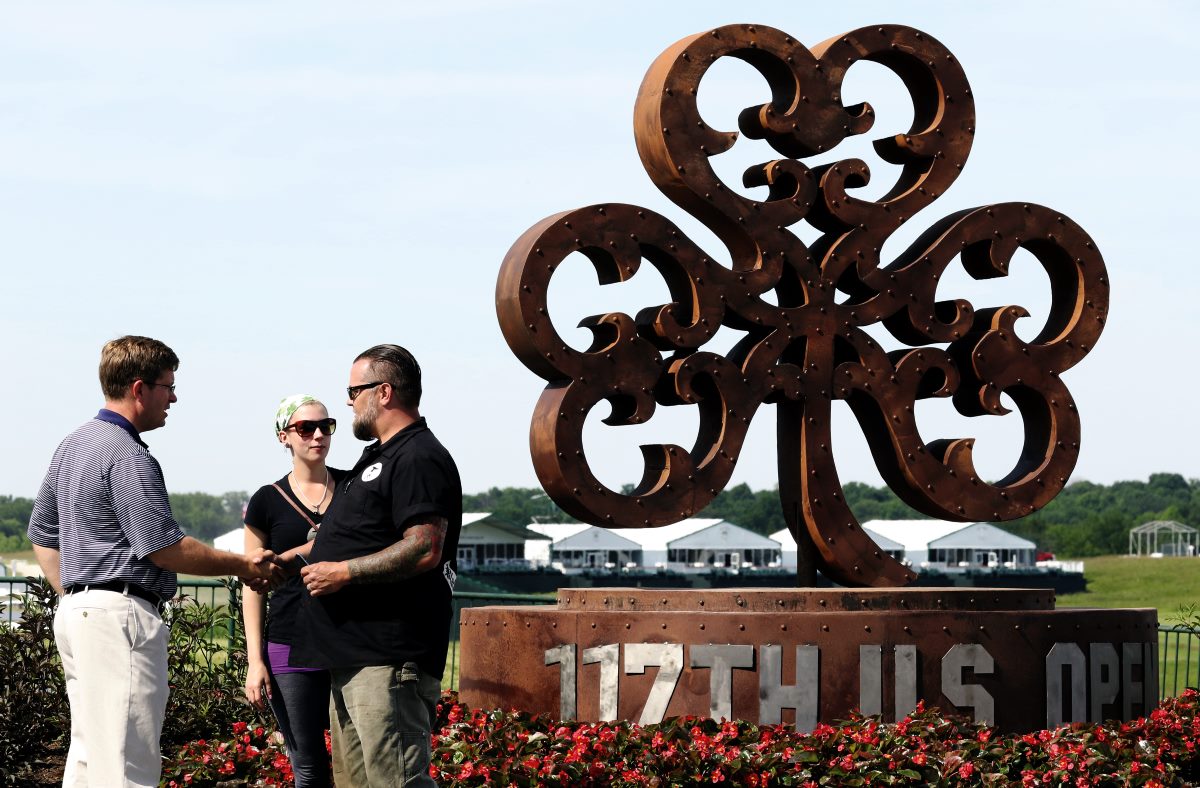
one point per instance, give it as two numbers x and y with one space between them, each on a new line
285 516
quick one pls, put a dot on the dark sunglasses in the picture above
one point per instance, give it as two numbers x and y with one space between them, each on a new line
352 392
306 428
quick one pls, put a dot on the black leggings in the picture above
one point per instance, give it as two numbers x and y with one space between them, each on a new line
301 705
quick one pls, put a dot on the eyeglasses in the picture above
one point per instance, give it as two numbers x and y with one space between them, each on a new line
306 428
353 391
169 386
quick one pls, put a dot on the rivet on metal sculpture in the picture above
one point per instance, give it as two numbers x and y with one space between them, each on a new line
806 346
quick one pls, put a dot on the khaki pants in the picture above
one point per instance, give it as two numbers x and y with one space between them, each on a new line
114 657
380 718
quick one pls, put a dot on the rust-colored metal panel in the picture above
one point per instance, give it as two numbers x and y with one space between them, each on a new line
784 600
983 652
803 308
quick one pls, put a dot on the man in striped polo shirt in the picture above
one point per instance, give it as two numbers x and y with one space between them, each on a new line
105 538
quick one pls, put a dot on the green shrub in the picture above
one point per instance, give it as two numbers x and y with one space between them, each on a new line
33 696
206 666
206 663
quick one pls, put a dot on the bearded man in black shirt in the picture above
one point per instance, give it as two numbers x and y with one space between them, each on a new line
381 580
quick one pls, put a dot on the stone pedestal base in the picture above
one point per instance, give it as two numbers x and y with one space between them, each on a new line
1004 656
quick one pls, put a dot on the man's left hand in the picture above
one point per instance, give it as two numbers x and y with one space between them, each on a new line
325 577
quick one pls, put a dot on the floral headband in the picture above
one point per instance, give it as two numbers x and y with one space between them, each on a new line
288 407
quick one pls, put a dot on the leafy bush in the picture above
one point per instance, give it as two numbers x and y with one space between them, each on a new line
33 696
206 666
1188 617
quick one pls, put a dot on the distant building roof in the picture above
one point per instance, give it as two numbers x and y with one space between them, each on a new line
556 531
672 536
913 535
981 535
596 538
233 541
784 537
723 534
483 521
696 533
885 544
660 538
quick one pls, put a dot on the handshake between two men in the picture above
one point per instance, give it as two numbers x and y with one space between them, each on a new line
265 571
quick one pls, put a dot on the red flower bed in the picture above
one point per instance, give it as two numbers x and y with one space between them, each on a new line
251 756
474 747
927 748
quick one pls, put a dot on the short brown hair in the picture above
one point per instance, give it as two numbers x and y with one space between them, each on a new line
126 359
395 366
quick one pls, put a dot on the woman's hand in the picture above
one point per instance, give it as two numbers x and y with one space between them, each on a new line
258 684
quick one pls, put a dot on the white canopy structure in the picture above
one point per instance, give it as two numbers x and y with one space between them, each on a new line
485 541
981 545
232 541
1163 537
784 537
582 546
690 545
913 535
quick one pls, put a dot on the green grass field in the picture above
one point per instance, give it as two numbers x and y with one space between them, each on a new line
24 555
1123 581
1162 583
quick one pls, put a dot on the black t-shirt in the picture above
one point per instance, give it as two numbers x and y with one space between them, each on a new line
269 513
392 486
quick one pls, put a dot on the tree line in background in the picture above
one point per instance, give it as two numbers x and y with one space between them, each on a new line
1085 519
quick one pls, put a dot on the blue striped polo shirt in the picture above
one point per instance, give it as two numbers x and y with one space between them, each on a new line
104 507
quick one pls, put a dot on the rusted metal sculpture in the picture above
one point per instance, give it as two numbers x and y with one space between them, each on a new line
1004 656
809 348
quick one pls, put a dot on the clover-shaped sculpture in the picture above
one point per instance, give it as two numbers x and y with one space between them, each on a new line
809 347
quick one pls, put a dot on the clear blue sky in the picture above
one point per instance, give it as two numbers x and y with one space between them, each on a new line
272 187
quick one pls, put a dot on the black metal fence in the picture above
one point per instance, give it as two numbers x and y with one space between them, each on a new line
1178 660
1178 647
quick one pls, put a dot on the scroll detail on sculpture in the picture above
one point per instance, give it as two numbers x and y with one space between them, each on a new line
808 349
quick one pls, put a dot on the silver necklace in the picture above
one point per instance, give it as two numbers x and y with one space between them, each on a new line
317 506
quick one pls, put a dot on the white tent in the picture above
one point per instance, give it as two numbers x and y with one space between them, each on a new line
580 546
954 545
537 549
981 544
484 541
784 537
233 541
716 543
914 535
696 543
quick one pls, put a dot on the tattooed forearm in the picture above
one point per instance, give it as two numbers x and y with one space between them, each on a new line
419 551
